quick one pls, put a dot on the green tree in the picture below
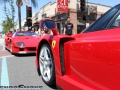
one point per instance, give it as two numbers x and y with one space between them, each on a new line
9 17
6 24
19 4
12 11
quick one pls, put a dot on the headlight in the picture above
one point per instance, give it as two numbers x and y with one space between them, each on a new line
21 44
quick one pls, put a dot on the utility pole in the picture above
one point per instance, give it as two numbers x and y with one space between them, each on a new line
87 14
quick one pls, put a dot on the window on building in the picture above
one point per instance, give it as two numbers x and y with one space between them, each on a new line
55 10
59 17
44 15
56 18
93 16
79 15
77 7
64 16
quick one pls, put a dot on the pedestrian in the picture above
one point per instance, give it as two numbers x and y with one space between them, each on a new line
42 33
14 30
68 28
37 31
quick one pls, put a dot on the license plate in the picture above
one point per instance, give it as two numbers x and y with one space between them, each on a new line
22 52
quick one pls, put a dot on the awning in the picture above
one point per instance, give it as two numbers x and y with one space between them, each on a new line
36 24
79 23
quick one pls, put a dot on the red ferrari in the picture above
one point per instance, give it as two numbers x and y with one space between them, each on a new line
22 42
86 61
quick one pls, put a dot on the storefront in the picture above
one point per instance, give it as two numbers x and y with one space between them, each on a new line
60 21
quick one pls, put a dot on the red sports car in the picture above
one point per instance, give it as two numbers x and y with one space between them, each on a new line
22 42
86 61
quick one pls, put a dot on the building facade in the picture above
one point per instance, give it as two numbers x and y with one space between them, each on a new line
77 17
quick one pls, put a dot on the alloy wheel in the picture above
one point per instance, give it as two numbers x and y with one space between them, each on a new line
46 64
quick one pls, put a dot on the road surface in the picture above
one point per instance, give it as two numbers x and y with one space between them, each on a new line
19 71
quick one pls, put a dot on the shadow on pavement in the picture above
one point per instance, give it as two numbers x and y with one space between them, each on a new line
24 55
54 87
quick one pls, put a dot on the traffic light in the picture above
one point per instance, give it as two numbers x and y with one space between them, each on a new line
29 12
82 3
29 22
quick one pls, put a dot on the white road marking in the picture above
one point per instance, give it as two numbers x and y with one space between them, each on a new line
8 56
4 73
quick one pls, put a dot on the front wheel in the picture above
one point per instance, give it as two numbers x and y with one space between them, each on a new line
47 66
11 48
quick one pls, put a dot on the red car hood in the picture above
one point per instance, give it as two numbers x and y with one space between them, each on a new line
29 41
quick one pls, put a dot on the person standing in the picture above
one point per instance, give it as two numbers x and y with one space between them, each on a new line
68 28
37 31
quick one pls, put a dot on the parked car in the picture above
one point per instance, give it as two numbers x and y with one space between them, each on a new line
22 42
86 61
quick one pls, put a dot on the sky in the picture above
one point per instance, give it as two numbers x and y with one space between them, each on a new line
42 3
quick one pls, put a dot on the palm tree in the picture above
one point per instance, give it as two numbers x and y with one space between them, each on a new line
19 4
34 2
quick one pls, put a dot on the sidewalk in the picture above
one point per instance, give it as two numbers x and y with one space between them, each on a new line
1 41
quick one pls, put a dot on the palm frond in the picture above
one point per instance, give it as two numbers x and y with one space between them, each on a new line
3 1
34 3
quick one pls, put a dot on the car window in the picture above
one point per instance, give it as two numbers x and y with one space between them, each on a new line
26 34
103 21
30 34
14 34
20 34
116 22
48 24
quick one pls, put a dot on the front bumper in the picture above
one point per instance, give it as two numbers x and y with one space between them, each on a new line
24 50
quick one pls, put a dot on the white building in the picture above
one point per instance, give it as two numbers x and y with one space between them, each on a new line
76 16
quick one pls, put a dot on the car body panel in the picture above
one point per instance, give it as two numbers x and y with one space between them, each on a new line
93 59
97 54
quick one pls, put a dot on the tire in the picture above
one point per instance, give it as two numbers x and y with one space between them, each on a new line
11 48
5 47
47 66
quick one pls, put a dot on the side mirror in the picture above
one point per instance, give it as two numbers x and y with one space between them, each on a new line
49 24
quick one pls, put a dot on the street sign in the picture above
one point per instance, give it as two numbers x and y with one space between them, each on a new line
62 5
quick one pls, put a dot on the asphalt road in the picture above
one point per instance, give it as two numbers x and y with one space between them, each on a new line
20 70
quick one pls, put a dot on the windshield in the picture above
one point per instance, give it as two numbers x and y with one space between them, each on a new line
103 21
48 24
26 34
